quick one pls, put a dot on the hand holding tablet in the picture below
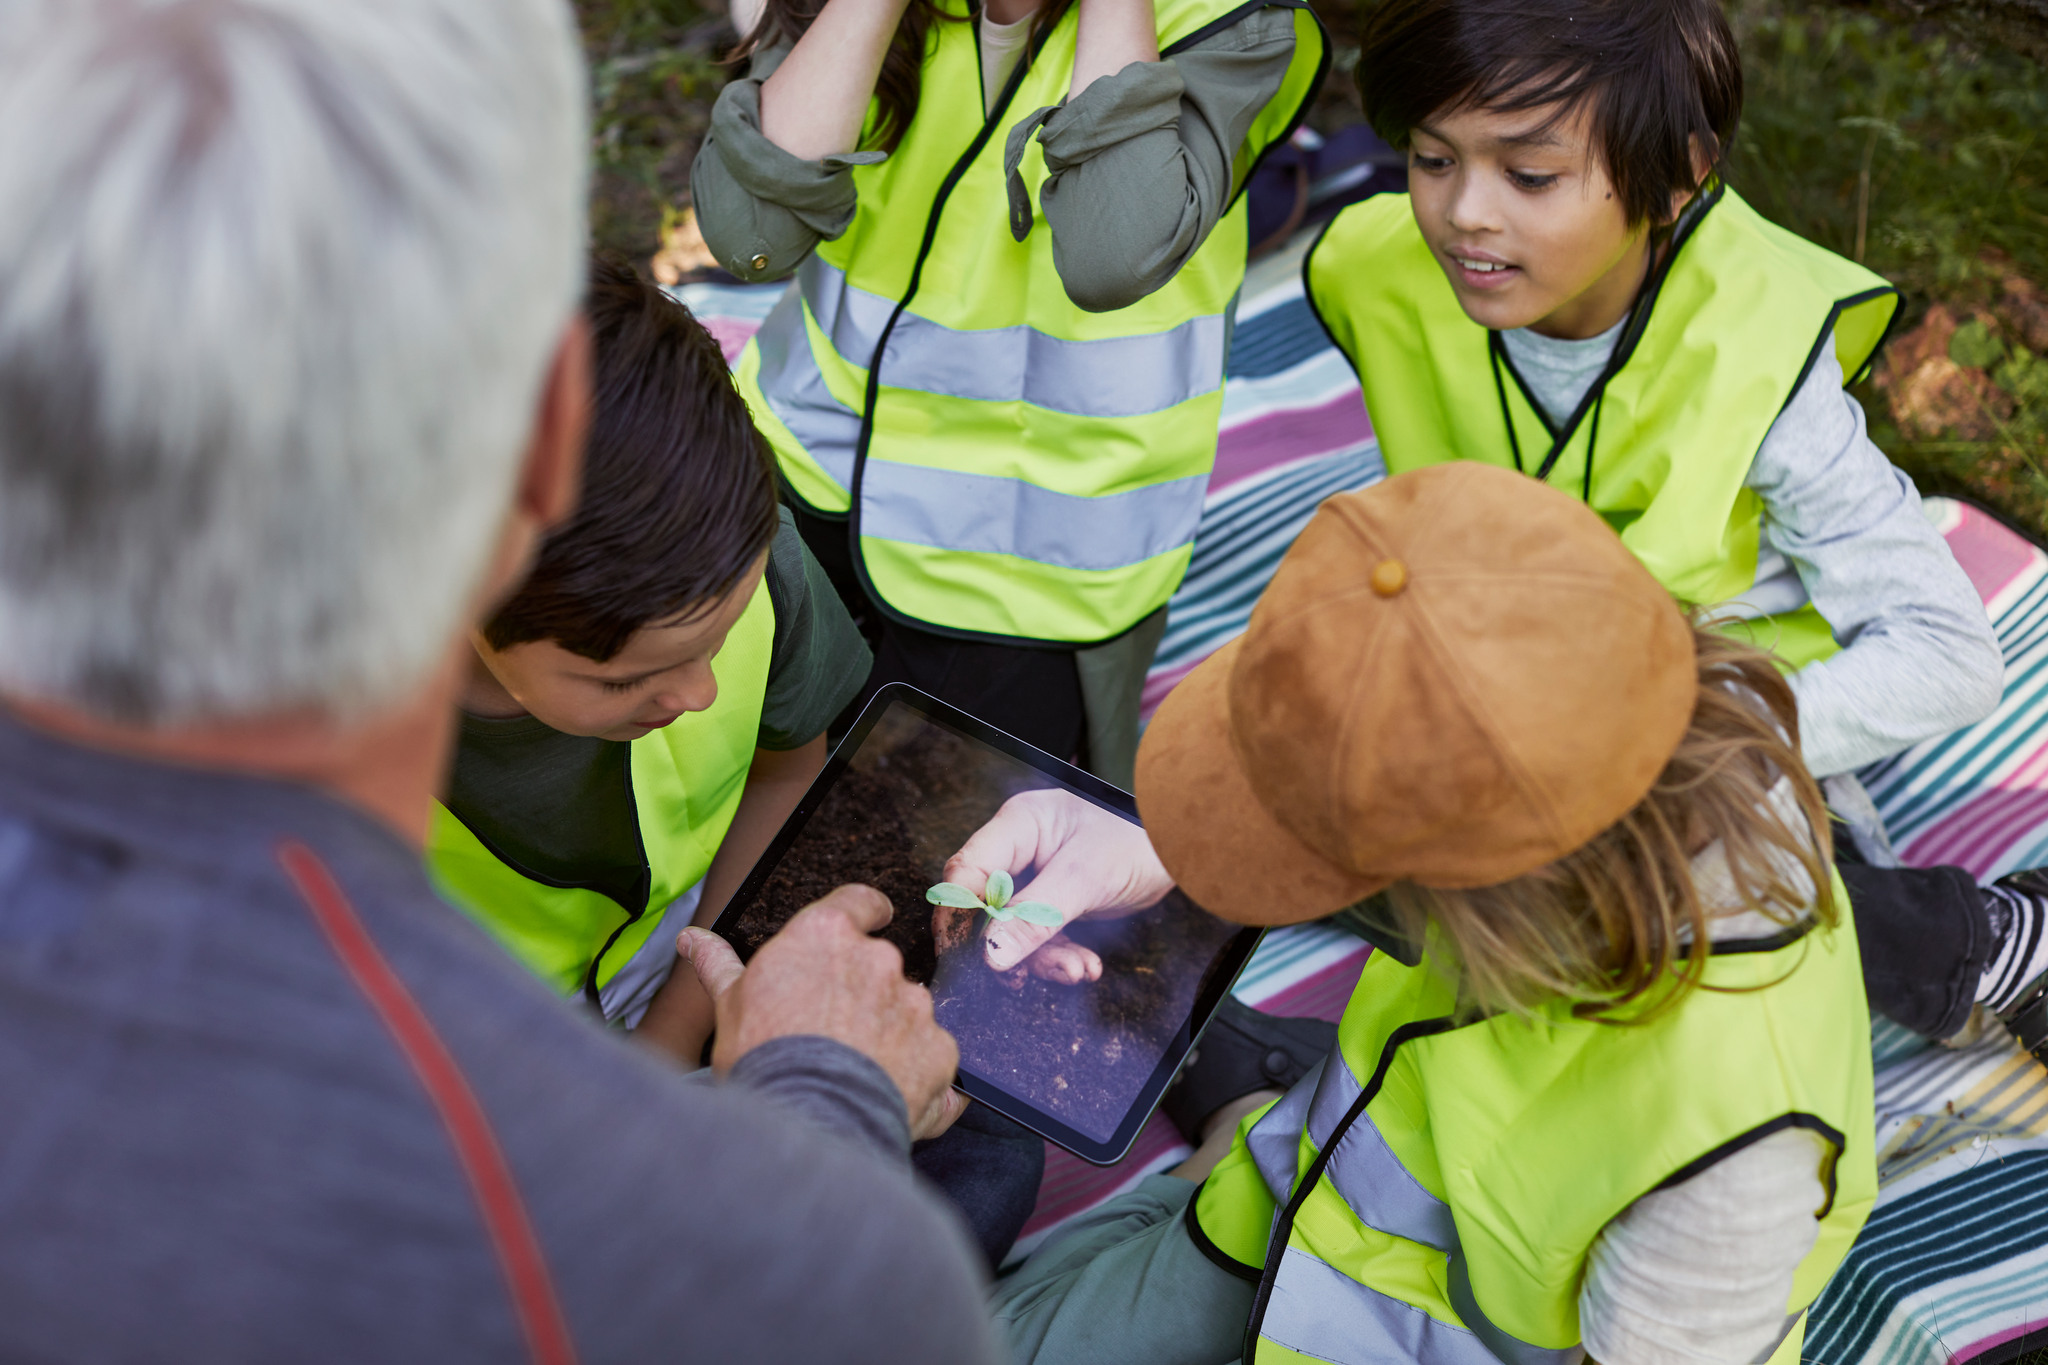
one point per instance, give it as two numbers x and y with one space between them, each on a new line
1089 862
1074 992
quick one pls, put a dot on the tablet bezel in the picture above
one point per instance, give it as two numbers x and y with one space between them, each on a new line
1229 963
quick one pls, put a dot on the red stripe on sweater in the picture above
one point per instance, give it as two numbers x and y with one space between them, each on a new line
476 1145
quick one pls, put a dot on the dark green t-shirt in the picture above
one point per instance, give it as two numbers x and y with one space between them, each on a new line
560 807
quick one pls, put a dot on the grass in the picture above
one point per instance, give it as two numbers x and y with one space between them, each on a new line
1924 157
654 73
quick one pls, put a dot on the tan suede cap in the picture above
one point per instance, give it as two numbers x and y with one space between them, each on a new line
1457 676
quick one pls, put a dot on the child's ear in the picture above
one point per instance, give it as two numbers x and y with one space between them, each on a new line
1702 164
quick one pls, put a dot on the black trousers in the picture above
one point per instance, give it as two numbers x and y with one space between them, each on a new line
1033 693
1925 938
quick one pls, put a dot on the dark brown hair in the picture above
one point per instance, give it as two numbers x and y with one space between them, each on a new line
1655 75
1601 927
901 82
678 485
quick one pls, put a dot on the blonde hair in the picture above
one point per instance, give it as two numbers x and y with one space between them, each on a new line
1609 925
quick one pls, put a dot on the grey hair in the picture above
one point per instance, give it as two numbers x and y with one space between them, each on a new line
280 283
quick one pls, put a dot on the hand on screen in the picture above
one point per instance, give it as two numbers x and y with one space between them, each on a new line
1089 861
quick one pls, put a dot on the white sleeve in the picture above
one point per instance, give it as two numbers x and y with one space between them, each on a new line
1919 657
1701 1273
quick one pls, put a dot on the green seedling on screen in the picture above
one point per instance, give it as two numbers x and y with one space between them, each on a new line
996 902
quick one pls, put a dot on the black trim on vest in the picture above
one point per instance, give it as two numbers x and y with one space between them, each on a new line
1811 1122
1216 1255
1309 295
589 990
872 397
1283 1226
1827 334
1770 943
1634 326
1300 116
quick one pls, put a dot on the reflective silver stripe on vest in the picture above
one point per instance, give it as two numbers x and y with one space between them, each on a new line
1275 1140
1368 1175
1113 377
1511 1349
1381 1194
1320 1311
826 428
987 514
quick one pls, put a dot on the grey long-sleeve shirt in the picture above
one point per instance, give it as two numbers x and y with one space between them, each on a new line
1140 167
1843 529
211 1147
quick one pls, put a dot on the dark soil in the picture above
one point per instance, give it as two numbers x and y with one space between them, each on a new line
1081 1052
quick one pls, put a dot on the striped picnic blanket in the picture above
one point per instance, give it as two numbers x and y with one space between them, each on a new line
1954 1262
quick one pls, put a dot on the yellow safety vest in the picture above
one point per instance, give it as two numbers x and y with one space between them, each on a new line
1432 1191
1013 466
686 779
1728 331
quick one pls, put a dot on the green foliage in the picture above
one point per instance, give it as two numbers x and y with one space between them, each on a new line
1927 159
995 901
654 71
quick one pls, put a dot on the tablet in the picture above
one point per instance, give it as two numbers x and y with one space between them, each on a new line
1080 1061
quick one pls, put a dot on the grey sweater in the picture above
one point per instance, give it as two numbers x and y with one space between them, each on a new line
1140 167
211 1147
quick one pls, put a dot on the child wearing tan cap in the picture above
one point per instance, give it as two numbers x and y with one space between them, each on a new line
1571 290
1611 1096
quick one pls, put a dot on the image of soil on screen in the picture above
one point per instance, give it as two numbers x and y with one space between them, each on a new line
915 792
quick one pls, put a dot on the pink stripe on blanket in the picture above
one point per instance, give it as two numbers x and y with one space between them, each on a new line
1322 996
1990 554
1073 1186
1159 684
1990 1343
1978 833
731 334
1277 438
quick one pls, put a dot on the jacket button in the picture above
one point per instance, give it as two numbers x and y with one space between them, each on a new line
760 261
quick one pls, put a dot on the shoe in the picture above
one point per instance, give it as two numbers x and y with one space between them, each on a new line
1240 1052
2027 1015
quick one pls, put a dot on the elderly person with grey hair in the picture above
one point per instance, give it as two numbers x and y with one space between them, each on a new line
291 379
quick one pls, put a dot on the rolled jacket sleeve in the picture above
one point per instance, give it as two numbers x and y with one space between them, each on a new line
1141 163
762 210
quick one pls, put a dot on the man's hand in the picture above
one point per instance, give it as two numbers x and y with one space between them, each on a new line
823 975
1090 862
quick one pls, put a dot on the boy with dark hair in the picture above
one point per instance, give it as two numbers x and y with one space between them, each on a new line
645 712
1569 290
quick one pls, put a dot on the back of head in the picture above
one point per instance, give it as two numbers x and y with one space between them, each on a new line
678 484
280 281
1661 79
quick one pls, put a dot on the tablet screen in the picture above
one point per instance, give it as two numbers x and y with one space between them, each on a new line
1079 1039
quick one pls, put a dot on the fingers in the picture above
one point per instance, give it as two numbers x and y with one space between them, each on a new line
717 966
1009 942
1011 840
944 1110
862 906
1065 962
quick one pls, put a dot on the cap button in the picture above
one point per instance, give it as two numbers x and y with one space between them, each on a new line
1390 577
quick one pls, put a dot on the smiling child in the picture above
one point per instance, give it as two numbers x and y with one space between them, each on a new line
1570 290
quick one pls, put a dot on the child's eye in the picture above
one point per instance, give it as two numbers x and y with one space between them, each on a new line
1525 181
620 686
1429 163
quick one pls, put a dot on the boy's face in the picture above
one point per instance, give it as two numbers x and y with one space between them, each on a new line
663 672
1524 221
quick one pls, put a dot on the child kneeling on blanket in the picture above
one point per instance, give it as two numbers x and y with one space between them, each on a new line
1618 1096
1571 291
